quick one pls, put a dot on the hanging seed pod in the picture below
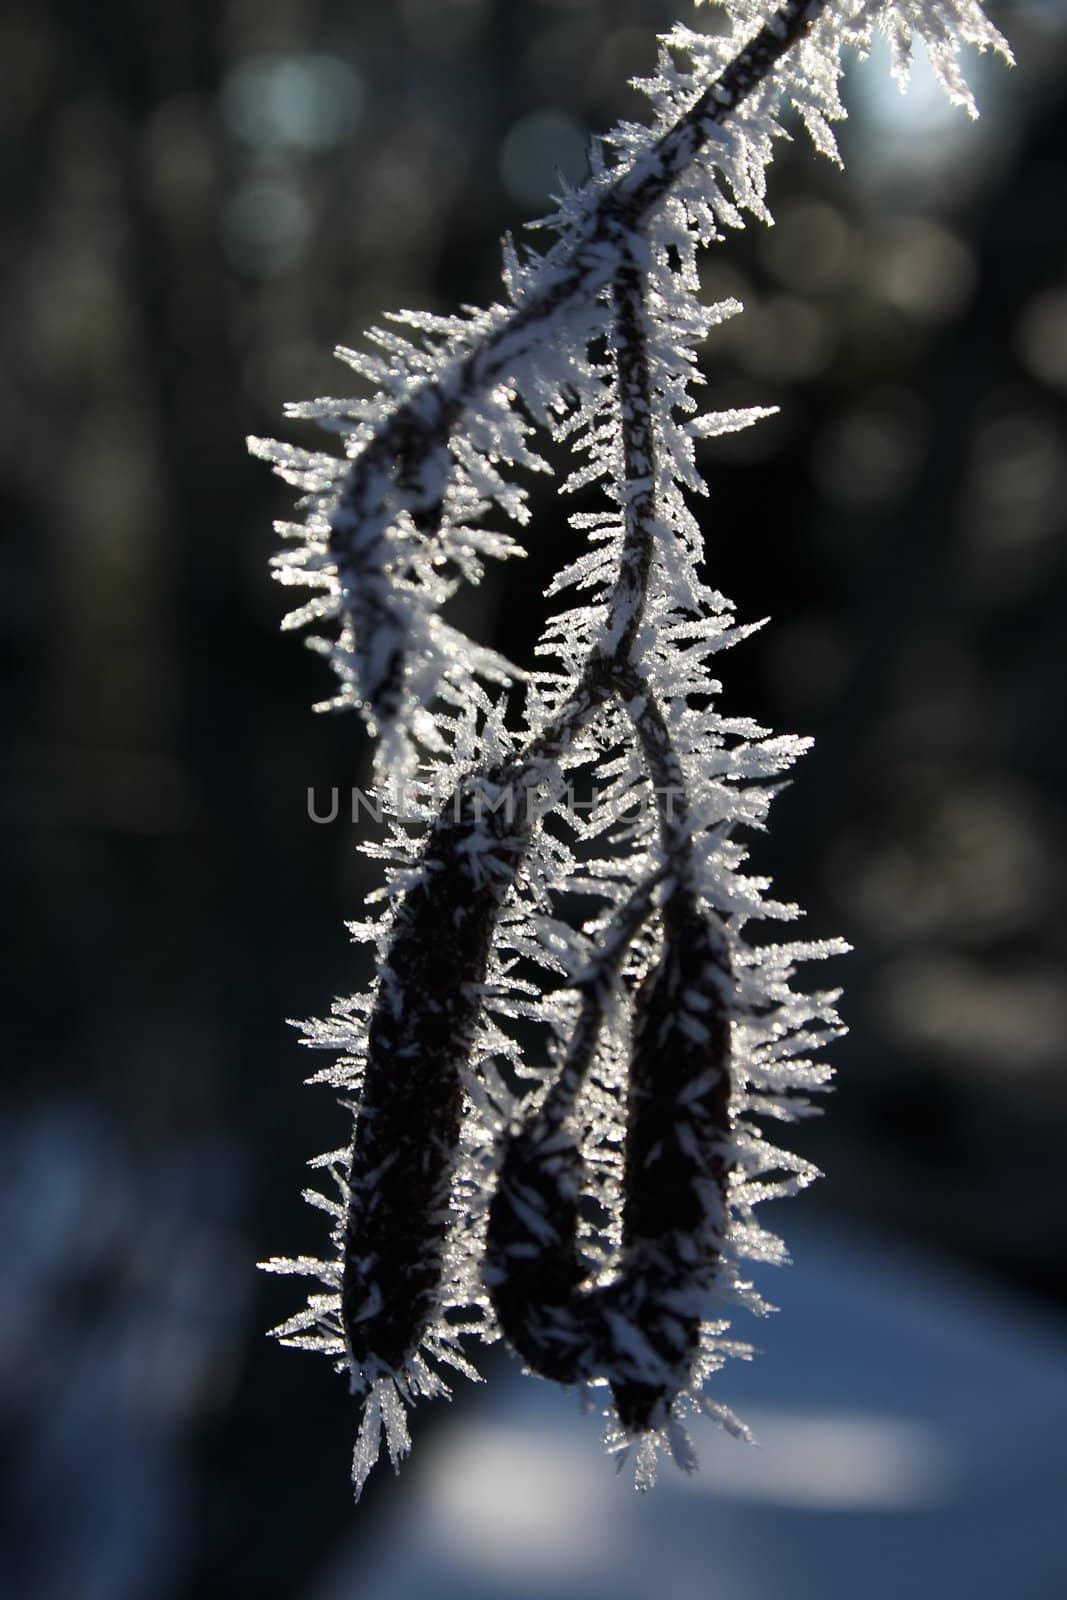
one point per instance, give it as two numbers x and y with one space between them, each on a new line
677 1164
410 1110
534 1269
641 1329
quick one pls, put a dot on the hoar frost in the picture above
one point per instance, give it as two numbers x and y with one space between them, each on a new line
596 1206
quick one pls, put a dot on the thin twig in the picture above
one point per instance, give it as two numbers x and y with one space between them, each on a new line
577 271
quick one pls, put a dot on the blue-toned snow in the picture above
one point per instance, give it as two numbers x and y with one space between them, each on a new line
913 1443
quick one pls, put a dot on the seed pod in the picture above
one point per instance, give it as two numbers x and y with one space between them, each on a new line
410 1109
677 1164
641 1329
534 1268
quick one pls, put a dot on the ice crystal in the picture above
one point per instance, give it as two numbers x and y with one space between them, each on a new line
595 1206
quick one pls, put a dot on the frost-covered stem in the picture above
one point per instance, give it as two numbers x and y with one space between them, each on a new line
634 399
403 459
663 766
594 984
647 183
626 606
609 671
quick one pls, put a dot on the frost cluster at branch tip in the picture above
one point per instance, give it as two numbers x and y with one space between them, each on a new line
594 1207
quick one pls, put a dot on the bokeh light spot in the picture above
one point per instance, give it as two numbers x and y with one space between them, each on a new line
536 149
265 226
1042 338
301 103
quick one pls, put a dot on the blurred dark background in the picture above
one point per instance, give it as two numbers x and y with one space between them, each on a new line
199 201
